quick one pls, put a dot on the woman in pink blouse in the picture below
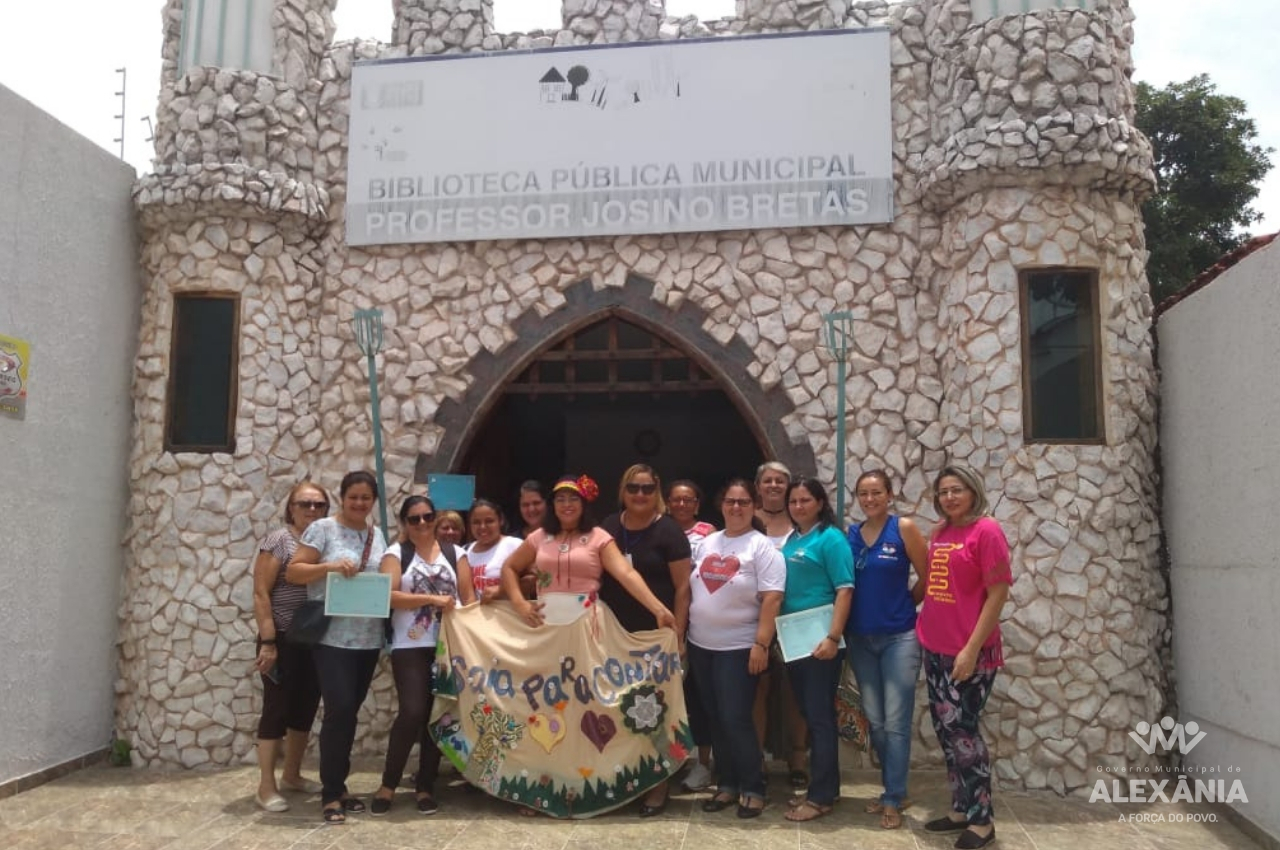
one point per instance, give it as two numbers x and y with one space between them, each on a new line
959 629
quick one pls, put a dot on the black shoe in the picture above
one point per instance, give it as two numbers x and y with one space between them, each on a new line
746 812
427 805
379 806
970 840
352 805
648 811
946 824
717 804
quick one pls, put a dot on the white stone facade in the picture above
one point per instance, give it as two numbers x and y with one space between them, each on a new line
1013 148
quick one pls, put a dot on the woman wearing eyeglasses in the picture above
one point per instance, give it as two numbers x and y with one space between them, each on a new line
657 547
737 590
290 693
424 586
959 629
347 656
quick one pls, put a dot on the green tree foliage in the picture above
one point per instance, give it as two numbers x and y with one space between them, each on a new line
1208 168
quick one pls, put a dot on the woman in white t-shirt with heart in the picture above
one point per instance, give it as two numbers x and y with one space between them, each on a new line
738 581
489 549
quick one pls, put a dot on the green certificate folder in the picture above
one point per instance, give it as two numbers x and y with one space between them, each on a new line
800 633
362 595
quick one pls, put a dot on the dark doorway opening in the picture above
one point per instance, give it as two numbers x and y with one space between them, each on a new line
604 397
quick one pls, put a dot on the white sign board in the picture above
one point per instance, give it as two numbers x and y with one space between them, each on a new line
789 130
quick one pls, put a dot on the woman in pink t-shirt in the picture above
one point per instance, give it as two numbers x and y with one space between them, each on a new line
966 586
569 554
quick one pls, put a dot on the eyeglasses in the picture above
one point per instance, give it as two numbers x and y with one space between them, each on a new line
952 491
311 506
736 503
419 519
683 500
647 489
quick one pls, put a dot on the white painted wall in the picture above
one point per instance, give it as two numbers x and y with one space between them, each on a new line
1220 414
69 285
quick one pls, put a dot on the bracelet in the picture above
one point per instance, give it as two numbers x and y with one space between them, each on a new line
267 641
835 640
763 646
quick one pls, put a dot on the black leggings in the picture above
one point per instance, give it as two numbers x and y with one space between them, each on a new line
344 676
291 703
412 669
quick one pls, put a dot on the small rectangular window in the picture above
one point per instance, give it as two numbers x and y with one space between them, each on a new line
985 10
227 34
203 366
1061 356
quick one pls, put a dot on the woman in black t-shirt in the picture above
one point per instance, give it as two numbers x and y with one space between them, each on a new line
659 550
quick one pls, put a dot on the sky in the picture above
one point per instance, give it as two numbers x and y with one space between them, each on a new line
63 55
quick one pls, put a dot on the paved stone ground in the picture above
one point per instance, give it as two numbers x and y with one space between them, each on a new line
121 809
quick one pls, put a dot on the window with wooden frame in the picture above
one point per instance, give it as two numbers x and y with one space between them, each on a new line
203 366
1061 356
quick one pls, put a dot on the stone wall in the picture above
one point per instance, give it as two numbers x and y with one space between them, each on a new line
1005 157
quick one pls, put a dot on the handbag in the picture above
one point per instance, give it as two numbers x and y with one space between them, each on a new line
310 622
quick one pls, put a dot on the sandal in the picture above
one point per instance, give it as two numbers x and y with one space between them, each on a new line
750 807
807 811
334 816
875 807
891 818
352 805
718 803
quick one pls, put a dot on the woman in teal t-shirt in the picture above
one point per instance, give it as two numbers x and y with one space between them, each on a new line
819 572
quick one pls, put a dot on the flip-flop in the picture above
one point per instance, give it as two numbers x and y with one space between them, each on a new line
807 811
875 807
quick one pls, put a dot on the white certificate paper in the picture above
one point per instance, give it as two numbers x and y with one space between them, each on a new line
800 633
362 595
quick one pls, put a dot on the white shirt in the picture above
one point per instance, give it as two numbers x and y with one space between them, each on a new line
419 627
486 566
729 574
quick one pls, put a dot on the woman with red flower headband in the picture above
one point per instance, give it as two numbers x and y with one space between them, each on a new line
570 553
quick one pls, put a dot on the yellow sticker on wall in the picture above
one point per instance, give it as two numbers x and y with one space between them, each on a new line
15 356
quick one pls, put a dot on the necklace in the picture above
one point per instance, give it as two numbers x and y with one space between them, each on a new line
772 513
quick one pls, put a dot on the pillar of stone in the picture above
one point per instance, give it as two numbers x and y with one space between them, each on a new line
428 27
612 21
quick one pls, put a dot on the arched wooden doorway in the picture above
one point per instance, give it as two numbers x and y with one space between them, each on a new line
601 397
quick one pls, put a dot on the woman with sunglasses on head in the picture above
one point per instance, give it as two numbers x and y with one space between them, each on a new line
883 650
489 549
819 573
658 549
290 693
684 498
959 629
737 590
347 656
423 587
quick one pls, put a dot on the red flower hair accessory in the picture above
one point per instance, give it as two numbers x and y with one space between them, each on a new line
583 485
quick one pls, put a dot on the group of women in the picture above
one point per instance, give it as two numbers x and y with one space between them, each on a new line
781 551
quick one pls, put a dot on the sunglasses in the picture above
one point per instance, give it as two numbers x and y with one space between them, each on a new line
311 506
737 503
647 489
420 519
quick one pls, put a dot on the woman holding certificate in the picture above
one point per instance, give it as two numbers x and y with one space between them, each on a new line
959 628
819 586
347 655
737 586
424 586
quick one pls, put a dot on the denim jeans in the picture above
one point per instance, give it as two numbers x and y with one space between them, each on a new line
814 684
887 667
728 693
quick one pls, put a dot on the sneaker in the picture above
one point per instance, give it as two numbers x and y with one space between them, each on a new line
698 778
